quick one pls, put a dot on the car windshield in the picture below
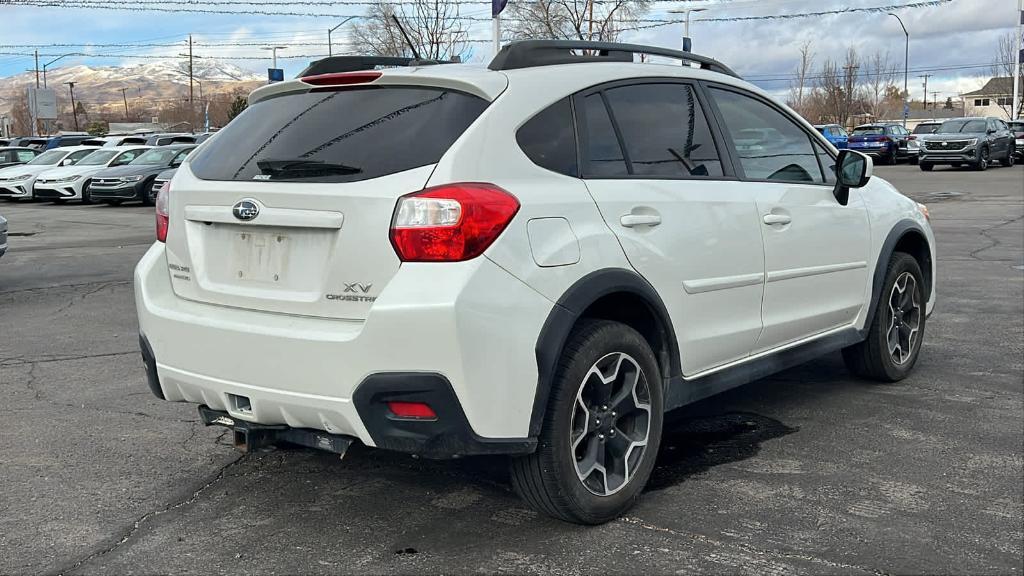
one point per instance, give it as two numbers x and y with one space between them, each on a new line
49 158
925 128
868 130
98 158
158 156
1016 126
965 126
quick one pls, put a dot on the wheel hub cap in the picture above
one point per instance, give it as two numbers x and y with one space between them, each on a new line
610 424
904 318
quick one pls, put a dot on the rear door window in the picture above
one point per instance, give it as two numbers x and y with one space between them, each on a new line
664 130
602 152
338 136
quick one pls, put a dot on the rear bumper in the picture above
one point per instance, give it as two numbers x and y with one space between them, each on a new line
454 341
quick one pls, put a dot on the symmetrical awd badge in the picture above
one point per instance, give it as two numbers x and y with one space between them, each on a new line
246 209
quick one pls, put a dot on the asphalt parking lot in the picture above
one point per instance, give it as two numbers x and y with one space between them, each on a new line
807 471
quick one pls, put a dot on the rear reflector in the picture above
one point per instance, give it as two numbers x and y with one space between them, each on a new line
414 410
341 78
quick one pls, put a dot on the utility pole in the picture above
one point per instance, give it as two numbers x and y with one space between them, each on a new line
590 19
330 49
125 96
926 77
190 69
935 102
37 68
74 111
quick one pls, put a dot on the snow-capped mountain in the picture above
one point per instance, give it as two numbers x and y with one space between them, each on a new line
154 79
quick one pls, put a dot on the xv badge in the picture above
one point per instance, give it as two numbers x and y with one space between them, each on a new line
357 287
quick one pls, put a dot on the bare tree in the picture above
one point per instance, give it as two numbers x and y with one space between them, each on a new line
21 117
881 77
798 87
850 82
828 92
434 27
1002 66
572 19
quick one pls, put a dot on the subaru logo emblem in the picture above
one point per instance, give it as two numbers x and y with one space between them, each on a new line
246 209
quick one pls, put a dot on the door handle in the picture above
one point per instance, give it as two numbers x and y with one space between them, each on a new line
777 219
631 220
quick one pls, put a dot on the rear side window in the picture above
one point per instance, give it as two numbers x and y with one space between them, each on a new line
664 131
549 139
602 152
768 144
339 136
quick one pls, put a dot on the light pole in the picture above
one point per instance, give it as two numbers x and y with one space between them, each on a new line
54 60
273 52
74 111
330 51
906 61
686 24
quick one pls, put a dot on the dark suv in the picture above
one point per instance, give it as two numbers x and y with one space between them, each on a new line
976 142
887 142
134 181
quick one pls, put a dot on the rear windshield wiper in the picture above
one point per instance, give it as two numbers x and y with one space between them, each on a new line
304 167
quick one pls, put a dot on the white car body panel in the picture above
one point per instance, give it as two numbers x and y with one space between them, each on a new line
299 356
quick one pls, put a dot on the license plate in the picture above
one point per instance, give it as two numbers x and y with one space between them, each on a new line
857 144
259 256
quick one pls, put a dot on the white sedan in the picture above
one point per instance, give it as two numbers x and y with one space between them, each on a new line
71 182
17 181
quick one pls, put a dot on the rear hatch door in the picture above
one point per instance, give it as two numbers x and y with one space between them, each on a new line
288 209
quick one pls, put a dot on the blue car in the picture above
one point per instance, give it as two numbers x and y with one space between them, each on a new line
835 134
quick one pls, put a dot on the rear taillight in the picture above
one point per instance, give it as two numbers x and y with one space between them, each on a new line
450 223
162 212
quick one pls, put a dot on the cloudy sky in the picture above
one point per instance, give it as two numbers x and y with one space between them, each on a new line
954 41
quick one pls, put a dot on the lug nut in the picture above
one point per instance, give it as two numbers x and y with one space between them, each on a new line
600 437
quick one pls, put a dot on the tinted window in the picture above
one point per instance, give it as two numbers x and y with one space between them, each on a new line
869 130
664 131
157 156
6 156
339 136
98 158
768 145
925 128
76 156
49 158
603 155
549 139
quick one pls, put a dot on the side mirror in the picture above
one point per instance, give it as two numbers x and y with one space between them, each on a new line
66 162
853 170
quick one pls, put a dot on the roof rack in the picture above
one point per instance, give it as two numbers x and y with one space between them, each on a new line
531 53
336 64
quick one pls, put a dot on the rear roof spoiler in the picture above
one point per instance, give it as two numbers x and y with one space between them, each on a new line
337 64
531 53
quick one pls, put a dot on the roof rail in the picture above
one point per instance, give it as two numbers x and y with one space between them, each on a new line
336 64
530 53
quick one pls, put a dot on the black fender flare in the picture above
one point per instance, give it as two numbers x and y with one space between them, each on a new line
896 233
570 306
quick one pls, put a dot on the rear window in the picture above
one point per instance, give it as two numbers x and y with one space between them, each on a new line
926 128
868 130
339 136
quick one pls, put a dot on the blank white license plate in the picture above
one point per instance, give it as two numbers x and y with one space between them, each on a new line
260 256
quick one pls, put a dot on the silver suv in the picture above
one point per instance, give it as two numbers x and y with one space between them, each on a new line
973 141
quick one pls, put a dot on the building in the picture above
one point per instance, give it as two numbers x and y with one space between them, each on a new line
992 99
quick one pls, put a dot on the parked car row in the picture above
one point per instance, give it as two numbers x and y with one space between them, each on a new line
977 142
111 174
79 139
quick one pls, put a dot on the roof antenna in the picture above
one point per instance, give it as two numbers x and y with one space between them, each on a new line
415 54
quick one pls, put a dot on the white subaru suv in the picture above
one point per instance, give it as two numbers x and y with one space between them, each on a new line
538 258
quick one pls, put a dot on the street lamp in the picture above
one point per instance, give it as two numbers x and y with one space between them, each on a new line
906 60
343 22
686 24
54 60
273 51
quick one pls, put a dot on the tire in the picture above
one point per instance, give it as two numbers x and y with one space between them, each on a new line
875 358
548 480
147 194
982 163
86 196
925 166
1011 157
